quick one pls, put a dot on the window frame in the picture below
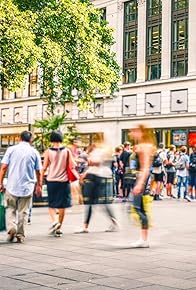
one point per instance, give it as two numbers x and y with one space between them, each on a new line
153 57
130 55
179 54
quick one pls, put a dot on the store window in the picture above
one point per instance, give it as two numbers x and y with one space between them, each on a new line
154 39
192 138
130 42
91 138
179 38
9 140
179 137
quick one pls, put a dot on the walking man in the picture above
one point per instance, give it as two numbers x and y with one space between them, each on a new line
23 164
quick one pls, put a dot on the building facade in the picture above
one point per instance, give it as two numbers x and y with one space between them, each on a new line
155 46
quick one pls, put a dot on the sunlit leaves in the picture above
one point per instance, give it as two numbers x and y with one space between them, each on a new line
67 39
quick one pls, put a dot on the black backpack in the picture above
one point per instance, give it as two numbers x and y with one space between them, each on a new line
158 161
192 163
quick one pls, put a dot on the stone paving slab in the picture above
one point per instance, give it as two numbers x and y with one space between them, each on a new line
104 261
169 282
121 283
8 283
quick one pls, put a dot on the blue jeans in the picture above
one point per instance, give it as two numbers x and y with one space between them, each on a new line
182 181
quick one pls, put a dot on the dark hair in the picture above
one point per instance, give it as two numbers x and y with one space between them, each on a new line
56 136
183 149
161 145
26 136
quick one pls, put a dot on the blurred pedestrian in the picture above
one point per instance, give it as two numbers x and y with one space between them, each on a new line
23 164
57 159
98 186
145 149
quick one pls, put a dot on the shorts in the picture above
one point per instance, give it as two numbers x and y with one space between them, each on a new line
192 180
158 176
171 177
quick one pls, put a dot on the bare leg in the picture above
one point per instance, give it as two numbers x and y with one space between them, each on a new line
144 234
52 214
61 215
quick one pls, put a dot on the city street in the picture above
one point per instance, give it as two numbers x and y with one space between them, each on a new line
104 261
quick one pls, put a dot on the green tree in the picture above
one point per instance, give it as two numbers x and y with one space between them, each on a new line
74 50
19 52
46 126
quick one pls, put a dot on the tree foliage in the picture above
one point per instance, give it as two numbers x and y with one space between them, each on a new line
18 50
69 41
46 126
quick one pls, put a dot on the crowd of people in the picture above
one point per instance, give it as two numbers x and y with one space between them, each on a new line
170 168
97 176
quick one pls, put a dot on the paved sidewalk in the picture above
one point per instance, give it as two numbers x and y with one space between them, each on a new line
104 261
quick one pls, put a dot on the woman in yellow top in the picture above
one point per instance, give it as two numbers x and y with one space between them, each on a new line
144 140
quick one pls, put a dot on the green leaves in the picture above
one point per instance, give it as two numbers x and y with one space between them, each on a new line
18 52
67 39
46 126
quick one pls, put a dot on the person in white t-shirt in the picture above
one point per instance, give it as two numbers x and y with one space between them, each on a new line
182 171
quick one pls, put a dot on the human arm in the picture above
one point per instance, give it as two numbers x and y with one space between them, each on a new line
145 155
38 187
46 163
3 171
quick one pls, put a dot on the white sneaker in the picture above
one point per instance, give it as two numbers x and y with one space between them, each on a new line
188 198
54 227
113 228
82 231
140 244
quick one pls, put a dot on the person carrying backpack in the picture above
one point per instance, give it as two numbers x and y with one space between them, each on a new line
170 170
192 173
158 170
182 172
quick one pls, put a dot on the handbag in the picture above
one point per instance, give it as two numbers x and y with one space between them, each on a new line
2 213
71 172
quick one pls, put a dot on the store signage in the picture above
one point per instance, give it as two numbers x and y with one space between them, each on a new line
192 138
179 137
